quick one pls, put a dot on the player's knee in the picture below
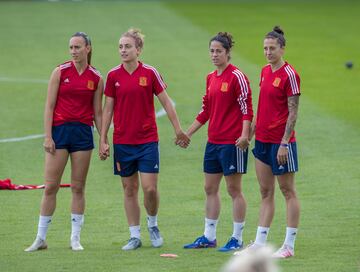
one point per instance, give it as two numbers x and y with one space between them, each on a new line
78 188
288 193
210 190
130 190
234 191
267 193
51 188
150 191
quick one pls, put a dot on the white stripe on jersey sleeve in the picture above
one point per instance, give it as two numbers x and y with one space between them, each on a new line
65 65
291 74
96 72
244 90
156 74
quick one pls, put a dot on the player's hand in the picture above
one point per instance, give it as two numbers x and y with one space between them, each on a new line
182 139
104 150
282 155
242 143
49 145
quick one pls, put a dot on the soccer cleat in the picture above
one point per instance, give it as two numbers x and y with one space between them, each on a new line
251 247
284 252
201 242
132 244
38 244
75 245
232 244
155 237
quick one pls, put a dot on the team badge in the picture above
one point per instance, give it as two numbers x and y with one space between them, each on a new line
224 87
90 85
276 82
143 81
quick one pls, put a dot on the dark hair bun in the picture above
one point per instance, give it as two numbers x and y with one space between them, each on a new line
228 37
277 29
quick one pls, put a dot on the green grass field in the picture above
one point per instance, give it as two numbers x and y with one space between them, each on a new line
321 37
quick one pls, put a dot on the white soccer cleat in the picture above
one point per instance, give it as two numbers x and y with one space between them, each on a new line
38 244
133 243
75 245
250 247
284 252
155 237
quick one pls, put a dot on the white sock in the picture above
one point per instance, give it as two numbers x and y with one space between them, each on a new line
261 235
238 230
44 222
152 221
135 232
290 237
77 220
210 229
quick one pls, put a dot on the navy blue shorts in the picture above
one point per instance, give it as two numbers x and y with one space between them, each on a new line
225 158
267 153
129 159
73 136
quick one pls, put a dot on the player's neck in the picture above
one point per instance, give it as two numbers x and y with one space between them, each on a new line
131 66
80 66
220 69
277 65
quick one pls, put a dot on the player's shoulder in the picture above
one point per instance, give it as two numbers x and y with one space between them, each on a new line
93 70
113 70
266 68
236 71
211 74
290 70
151 69
65 65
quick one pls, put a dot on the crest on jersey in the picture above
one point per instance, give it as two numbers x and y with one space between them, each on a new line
90 85
143 81
224 87
276 82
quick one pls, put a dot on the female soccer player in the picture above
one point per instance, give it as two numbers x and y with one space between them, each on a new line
275 146
73 104
130 89
228 107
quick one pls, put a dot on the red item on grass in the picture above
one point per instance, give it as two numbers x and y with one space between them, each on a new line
7 185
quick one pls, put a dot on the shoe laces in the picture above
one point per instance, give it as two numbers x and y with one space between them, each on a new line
154 233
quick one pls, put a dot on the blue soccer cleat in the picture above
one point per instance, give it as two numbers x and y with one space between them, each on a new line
232 244
201 242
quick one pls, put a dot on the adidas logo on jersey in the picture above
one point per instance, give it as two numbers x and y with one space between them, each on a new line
117 84
156 166
232 167
66 80
281 167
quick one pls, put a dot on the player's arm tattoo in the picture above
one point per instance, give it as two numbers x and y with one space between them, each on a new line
293 105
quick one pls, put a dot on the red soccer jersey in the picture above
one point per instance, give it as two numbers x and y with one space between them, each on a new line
272 113
226 103
75 95
134 111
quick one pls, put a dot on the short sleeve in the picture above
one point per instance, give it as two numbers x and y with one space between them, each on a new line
110 86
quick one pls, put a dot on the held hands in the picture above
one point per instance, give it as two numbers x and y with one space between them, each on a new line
182 139
242 142
104 149
49 145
